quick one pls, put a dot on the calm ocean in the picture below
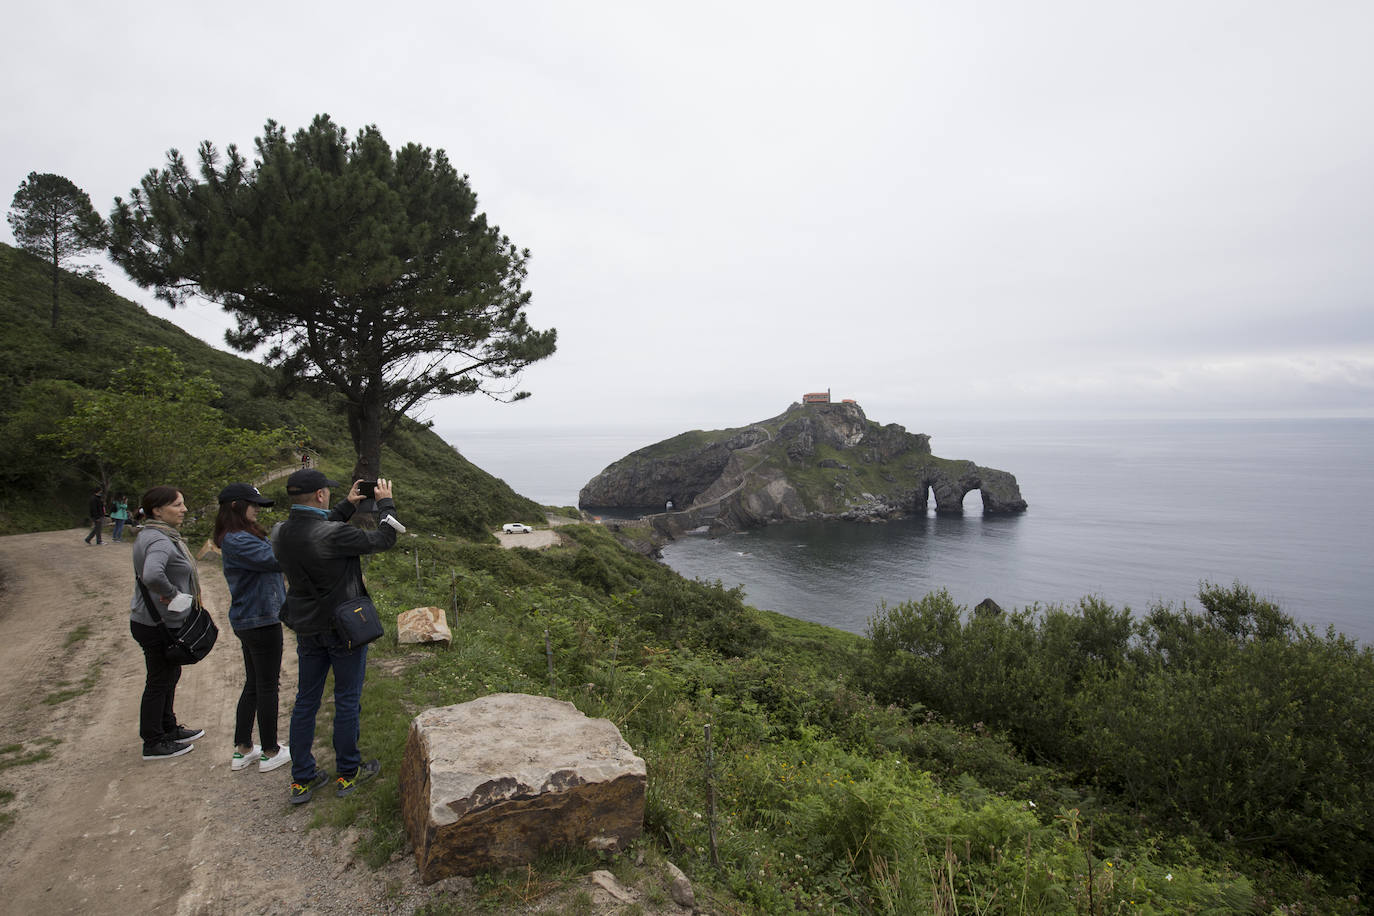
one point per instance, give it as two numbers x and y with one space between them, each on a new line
1133 511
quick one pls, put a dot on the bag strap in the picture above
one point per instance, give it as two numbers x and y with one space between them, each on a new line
152 607
342 584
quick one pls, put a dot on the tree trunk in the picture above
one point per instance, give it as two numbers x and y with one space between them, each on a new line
365 425
54 292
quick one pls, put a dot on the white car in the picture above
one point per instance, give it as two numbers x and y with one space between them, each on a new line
516 528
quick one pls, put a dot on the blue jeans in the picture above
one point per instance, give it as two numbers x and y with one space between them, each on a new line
119 528
316 655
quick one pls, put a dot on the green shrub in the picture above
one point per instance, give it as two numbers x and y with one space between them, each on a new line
1232 721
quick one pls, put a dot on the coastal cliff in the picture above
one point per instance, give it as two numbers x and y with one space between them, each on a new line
814 461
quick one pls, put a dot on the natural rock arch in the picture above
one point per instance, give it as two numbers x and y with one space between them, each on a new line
998 490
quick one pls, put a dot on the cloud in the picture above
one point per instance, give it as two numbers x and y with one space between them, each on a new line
975 207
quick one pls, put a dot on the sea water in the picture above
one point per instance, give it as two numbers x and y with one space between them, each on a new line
1135 512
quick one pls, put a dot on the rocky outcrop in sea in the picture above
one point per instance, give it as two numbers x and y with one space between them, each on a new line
814 461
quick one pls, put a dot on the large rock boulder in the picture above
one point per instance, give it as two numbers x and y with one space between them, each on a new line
497 781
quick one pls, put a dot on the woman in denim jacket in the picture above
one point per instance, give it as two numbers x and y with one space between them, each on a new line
256 593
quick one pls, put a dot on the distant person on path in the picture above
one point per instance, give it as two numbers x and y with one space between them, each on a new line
97 513
120 516
319 552
256 593
164 563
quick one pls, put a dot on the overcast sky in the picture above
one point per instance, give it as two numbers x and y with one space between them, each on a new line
996 209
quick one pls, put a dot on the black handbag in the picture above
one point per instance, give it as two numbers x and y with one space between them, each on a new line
190 642
357 621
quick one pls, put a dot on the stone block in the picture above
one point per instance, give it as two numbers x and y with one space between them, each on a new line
422 624
495 782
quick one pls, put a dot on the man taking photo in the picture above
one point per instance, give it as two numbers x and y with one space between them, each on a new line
318 550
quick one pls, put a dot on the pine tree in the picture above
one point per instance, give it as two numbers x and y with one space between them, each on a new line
369 271
53 219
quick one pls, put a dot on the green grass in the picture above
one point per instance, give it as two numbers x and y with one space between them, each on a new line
18 755
67 691
78 633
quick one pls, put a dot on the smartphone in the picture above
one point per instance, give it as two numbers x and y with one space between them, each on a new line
368 488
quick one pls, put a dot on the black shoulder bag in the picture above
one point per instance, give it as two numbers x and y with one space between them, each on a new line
356 620
190 642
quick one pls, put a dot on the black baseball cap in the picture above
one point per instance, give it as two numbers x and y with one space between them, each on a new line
308 480
244 492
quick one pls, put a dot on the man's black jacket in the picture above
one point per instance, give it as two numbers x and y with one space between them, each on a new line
319 555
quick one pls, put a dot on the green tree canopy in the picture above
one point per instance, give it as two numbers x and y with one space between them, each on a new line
53 219
367 270
155 424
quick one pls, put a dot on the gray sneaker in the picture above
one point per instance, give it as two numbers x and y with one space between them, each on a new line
161 749
346 784
302 793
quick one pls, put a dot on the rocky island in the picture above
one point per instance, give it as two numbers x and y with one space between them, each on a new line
816 460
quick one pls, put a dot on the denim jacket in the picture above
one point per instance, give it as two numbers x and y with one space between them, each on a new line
256 590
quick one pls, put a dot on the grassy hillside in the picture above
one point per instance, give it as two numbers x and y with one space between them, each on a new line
98 333
830 797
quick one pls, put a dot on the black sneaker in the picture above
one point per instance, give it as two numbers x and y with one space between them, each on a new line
302 792
346 784
166 749
182 733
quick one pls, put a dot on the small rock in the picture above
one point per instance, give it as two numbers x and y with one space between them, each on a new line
680 888
607 882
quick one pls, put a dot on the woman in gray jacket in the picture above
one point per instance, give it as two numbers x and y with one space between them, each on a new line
165 565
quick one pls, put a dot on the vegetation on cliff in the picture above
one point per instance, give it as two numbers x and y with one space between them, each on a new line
811 461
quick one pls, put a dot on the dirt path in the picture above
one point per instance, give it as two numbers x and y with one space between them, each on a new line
92 827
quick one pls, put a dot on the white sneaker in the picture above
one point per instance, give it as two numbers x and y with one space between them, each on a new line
268 764
241 761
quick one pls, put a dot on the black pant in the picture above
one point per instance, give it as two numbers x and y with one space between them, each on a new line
97 526
156 718
262 649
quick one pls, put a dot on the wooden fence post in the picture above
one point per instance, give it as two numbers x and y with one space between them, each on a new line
711 797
